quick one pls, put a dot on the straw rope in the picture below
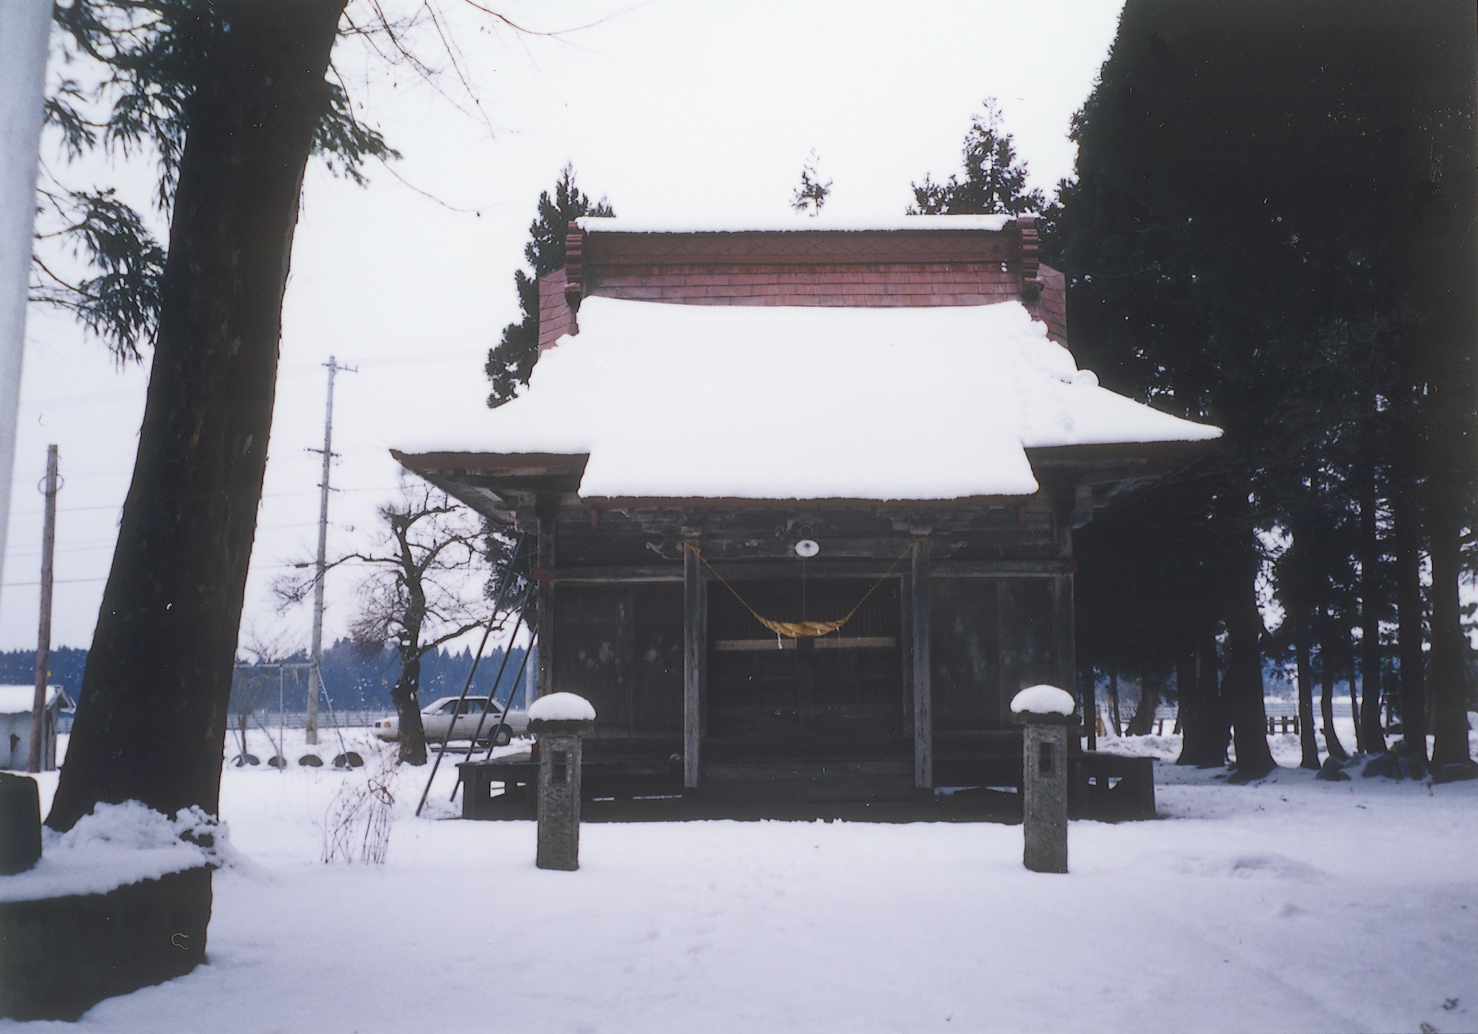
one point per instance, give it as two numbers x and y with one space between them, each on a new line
798 629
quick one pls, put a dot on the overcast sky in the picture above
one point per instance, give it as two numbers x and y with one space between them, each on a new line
700 110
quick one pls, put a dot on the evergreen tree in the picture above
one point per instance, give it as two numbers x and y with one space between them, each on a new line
811 195
18 668
233 98
1237 243
994 183
512 360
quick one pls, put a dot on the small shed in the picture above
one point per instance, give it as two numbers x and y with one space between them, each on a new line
803 498
15 725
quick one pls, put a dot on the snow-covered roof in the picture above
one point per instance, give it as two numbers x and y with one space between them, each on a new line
797 224
775 402
19 699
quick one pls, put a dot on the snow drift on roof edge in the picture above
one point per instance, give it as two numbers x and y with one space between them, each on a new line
798 224
775 402
18 699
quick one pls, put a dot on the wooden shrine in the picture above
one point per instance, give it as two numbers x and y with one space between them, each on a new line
647 605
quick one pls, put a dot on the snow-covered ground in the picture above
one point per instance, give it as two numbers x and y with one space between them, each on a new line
1288 905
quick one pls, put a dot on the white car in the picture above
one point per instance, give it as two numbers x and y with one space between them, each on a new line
461 719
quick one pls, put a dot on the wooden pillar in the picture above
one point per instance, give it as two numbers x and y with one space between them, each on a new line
1064 636
923 724
1064 644
693 613
905 636
545 598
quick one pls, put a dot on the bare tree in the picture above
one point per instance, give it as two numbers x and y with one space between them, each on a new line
423 589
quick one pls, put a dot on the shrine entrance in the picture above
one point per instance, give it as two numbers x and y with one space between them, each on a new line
799 695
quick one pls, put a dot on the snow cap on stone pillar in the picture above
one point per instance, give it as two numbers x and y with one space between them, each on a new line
562 714
1043 705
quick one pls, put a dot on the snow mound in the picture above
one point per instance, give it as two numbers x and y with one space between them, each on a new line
1042 700
132 825
116 845
1262 866
794 402
562 707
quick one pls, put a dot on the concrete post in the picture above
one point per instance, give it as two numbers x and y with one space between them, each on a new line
559 791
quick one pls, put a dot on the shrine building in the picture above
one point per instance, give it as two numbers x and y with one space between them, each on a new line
803 500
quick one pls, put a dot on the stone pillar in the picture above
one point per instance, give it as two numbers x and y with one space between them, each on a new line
559 791
20 824
1044 792
1045 712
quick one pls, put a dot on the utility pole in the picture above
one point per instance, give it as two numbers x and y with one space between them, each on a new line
25 27
43 635
315 674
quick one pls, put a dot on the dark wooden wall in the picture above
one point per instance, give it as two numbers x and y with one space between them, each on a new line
621 647
990 638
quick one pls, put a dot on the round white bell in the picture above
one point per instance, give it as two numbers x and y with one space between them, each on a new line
807 548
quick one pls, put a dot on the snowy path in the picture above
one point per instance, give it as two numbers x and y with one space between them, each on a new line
1290 905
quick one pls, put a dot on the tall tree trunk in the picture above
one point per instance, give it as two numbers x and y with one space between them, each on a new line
1449 644
1114 700
1185 677
1205 739
1090 697
1149 700
1407 541
1191 714
1242 685
1355 703
412 734
1306 739
1372 736
1326 695
1433 208
152 714
1450 419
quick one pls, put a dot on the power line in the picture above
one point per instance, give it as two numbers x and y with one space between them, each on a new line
72 401
78 581
71 509
30 551
404 359
103 398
